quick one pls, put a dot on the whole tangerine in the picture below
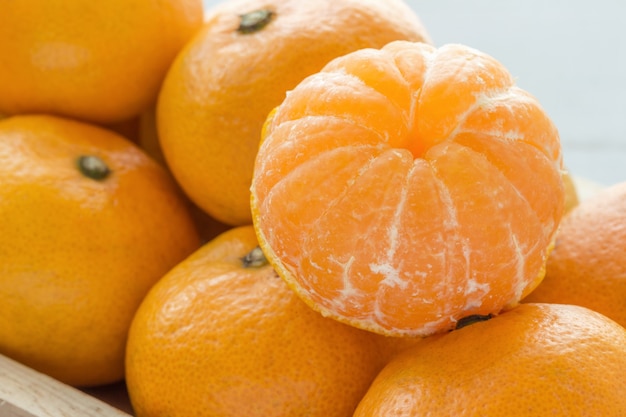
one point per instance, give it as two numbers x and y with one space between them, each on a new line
88 223
97 61
533 360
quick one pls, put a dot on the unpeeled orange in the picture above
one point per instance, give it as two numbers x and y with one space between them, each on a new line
88 223
534 360
222 335
99 61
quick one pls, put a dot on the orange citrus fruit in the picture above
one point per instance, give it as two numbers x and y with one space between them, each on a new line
88 223
223 84
147 139
222 335
572 198
534 360
404 188
99 61
588 264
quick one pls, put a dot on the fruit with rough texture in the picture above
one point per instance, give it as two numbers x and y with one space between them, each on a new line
98 61
401 189
238 67
222 335
588 264
88 223
534 360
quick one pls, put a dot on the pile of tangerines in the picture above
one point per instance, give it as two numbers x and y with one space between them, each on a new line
290 208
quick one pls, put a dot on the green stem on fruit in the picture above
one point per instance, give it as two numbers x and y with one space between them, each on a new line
254 21
93 167
254 259
474 318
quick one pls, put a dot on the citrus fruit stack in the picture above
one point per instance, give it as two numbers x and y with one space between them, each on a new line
88 221
376 210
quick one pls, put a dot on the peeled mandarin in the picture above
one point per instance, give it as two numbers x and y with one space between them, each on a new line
401 189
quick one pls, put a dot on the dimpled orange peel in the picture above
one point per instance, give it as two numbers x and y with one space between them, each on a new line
402 189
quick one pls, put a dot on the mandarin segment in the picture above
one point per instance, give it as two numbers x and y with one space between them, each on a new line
572 199
541 179
458 81
431 195
504 113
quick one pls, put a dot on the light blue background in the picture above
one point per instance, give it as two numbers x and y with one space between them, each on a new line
570 54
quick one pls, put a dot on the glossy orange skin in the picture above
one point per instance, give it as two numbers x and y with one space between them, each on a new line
77 255
99 61
588 264
534 360
221 87
148 140
218 338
